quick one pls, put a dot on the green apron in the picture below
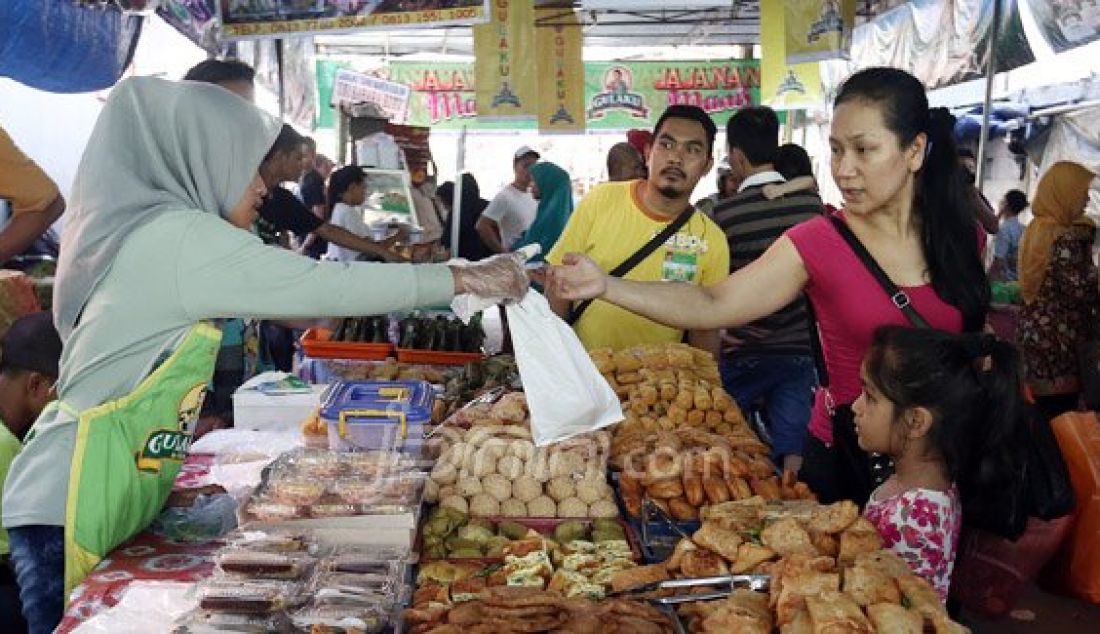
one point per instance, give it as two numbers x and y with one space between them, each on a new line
128 452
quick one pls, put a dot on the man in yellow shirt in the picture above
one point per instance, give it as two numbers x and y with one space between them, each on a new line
615 220
29 355
34 198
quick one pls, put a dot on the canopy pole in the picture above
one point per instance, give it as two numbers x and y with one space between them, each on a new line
282 82
991 72
456 206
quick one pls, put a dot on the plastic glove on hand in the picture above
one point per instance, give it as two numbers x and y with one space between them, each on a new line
578 278
501 276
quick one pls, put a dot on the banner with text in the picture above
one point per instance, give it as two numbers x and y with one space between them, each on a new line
785 86
817 29
618 95
391 97
249 20
504 51
560 71
634 94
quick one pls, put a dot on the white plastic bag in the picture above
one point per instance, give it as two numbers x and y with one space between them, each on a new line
566 394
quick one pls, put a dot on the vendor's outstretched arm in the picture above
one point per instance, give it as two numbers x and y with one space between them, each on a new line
758 290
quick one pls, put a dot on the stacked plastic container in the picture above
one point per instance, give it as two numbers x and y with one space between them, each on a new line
378 415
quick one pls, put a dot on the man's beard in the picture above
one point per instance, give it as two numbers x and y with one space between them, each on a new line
669 191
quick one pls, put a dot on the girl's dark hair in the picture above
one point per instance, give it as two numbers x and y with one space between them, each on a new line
979 414
944 208
339 182
792 161
288 141
1016 201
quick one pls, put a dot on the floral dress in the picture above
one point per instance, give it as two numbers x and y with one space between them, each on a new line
922 527
1054 326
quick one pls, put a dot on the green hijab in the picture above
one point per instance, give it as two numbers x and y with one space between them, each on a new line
555 207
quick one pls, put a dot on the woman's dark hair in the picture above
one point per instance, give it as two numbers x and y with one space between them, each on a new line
973 385
288 141
944 208
339 182
471 192
1016 201
792 161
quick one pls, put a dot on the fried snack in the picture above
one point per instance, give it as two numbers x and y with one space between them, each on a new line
738 515
921 596
749 556
885 561
833 518
745 612
720 540
676 559
638 576
787 537
632 491
834 612
697 418
767 488
739 489
795 588
800 624
859 538
944 625
702 563
665 488
625 361
891 618
716 490
867 586
825 543
682 510
693 487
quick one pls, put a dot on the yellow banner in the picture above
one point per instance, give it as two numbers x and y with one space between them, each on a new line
505 69
784 86
561 72
818 29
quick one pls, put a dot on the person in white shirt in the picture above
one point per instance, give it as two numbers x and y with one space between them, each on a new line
347 190
513 210
1006 246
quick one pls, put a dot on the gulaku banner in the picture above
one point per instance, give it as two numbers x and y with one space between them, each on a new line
558 45
1065 24
263 19
818 29
784 86
617 95
504 49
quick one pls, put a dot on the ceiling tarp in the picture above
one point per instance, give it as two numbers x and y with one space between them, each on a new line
1067 24
57 46
940 41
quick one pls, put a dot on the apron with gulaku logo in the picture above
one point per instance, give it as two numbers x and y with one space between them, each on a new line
128 452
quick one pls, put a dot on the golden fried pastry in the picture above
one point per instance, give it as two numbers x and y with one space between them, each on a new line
836 613
683 511
720 540
702 563
825 543
745 612
833 518
638 576
891 618
921 596
749 556
859 538
787 537
868 586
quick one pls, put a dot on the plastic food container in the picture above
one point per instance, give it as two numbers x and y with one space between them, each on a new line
341 619
208 621
237 596
377 414
261 565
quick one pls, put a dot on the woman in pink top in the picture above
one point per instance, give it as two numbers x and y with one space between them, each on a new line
905 199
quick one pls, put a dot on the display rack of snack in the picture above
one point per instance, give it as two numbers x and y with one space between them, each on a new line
817 568
489 466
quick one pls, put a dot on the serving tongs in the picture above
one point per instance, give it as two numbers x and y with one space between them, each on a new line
725 584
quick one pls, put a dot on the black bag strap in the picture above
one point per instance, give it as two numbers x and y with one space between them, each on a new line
815 345
900 299
641 254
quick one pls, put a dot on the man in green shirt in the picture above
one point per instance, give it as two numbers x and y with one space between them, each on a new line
29 354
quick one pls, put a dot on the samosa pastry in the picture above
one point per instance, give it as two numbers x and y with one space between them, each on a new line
890 618
869 586
749 556
787 537
722 541
836 613
833 518
859 538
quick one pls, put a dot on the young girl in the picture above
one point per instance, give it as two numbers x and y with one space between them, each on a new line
347 190
948 409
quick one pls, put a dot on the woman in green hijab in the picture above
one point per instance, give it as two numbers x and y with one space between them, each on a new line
550 185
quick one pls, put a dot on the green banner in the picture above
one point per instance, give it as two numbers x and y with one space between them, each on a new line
618 95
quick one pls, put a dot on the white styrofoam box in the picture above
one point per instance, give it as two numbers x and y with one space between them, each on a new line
263 412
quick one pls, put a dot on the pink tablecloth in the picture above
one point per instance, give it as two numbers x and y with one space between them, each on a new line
147 557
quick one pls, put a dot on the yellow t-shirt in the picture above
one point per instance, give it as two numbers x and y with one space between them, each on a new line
9 447
21 180
609 225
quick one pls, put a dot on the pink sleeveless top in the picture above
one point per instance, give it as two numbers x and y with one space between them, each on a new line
850 305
